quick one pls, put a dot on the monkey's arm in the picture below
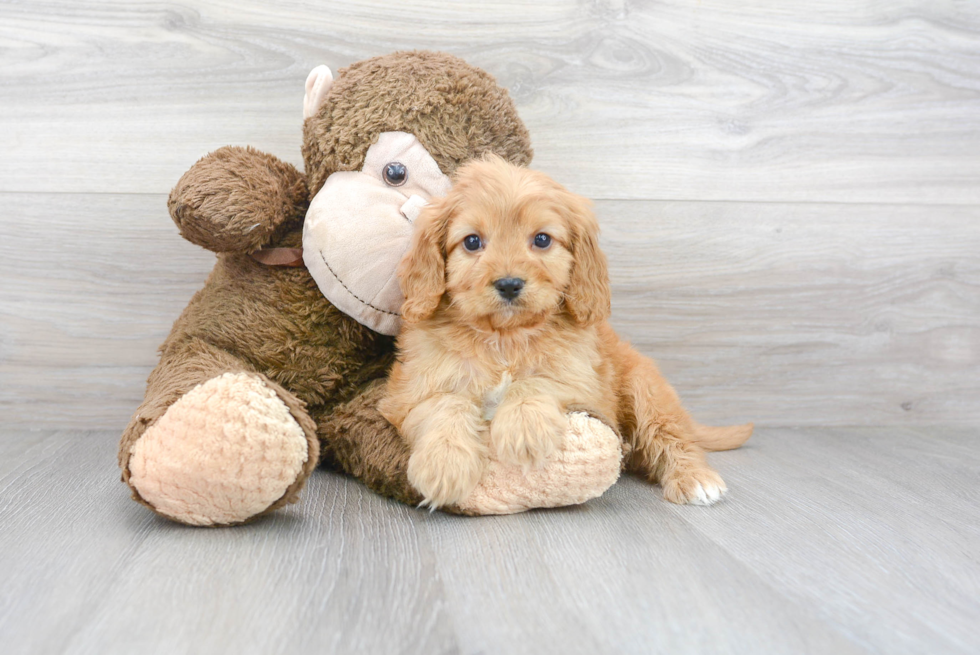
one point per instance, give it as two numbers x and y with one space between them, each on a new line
233 199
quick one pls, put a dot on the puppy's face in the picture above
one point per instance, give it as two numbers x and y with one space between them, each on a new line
508 247
508 251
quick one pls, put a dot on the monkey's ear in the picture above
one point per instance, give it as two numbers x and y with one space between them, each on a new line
318 82
422 271
587 297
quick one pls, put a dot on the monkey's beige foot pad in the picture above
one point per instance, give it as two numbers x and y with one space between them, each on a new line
587 465
224 452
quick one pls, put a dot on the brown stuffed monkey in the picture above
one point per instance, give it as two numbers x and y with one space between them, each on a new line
277 364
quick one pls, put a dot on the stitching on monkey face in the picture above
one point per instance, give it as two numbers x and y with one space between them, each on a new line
352 294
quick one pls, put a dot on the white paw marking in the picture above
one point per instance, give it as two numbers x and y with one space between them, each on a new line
707 493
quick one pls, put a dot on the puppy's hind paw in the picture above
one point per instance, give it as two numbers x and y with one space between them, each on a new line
701 486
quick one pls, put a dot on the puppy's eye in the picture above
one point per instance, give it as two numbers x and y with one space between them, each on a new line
472 243
542 240
395 173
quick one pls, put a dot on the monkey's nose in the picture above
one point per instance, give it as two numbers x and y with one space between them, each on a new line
509 287
413 207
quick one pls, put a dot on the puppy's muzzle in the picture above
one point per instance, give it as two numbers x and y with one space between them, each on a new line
509 287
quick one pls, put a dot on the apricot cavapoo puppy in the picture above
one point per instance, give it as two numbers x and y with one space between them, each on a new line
505 326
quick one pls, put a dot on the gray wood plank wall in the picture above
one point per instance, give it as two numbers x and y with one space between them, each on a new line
790 191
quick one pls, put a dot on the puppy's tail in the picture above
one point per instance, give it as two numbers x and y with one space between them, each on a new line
721 438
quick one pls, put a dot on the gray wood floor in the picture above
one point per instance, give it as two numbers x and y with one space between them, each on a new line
832 540
790 197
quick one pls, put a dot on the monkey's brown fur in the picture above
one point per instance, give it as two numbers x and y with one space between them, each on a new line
274 322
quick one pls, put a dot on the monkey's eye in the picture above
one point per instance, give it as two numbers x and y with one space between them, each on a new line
395 173
472 243
542 240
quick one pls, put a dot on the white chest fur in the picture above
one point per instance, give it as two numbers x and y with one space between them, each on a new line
494 396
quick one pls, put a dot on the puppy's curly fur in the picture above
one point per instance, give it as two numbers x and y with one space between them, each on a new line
507 300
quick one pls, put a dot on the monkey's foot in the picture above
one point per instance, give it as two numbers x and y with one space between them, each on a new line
583 468
224 452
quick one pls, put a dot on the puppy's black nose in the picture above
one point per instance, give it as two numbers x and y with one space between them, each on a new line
509 287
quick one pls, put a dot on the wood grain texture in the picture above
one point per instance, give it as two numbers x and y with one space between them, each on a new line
677 99
798 314
783 314
91 286
831 541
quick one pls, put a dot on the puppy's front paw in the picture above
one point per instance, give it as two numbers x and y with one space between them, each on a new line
444 473
694 486
528 432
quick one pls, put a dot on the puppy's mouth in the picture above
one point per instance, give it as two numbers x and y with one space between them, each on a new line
511 307
516 313
486 309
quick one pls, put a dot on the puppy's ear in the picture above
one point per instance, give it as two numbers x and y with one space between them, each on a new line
588 296
422 271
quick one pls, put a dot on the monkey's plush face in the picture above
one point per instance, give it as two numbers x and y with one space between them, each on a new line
378 142
360 224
